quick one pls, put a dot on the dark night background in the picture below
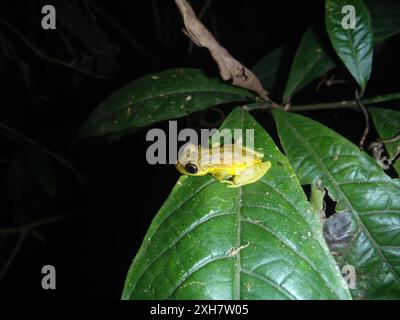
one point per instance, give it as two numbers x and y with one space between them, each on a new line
106 213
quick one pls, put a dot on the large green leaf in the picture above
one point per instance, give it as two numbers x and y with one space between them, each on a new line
369 201
267 68
387 123
353 46
310 62
260 241
160 96
385 17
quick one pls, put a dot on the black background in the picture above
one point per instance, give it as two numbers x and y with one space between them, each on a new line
107 217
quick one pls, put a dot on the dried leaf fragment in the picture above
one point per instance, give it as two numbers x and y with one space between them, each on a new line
229 67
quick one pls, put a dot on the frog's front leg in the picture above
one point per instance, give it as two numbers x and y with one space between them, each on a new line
250 174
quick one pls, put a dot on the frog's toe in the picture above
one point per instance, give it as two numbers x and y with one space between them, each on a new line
232 185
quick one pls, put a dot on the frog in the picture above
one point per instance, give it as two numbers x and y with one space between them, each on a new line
233 164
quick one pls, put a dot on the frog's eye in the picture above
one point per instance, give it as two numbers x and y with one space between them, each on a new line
191 168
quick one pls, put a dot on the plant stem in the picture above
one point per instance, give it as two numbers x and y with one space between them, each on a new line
135 44
13 254
345 103
44 56
54 155
30 226
366 117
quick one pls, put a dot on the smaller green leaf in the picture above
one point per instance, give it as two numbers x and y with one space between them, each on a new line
353 46
308 66
387 123
267 68
310 62
385 17
160 96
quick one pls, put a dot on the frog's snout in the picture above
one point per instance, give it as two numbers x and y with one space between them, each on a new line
179 166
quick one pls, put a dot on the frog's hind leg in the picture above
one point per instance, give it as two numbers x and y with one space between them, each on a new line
222 177
250 175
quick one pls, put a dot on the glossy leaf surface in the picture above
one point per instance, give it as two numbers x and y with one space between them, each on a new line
354 46
310 62
367 198
160 96
387 123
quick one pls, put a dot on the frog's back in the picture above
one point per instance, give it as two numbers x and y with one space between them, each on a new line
231 158
241 154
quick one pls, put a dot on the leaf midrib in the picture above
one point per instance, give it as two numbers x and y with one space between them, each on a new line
238 265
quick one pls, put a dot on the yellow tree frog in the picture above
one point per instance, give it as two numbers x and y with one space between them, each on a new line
233 164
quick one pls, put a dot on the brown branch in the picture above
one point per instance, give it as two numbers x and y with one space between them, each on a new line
201 14
229 67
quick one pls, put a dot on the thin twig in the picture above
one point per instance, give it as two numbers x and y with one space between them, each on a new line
136 45
377 150
329 82
345 104
31 225
22 230
395 156
36 234
54 155
204 9
44 56
258 106
10 259
390 140
366 117
68 44
157 18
